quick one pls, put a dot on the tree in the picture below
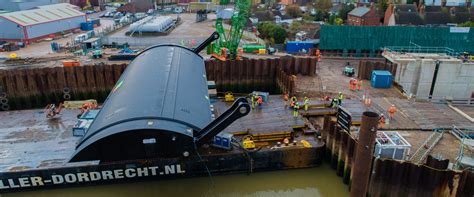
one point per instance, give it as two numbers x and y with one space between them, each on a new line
323 5
279 35
322 15
346 8
272 31
265 29
467 24
383 5
293 10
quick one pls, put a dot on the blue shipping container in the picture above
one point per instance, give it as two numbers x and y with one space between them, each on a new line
87 26
297 46
381 79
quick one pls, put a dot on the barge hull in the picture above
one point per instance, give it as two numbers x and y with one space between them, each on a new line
151 170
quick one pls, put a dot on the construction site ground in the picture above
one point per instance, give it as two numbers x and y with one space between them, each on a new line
468 110
42 49
186 31
414 120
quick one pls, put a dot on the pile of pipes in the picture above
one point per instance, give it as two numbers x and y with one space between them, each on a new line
152 24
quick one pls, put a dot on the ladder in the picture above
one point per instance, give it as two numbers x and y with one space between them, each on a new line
426 147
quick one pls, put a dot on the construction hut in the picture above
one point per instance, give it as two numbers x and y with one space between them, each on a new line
45 21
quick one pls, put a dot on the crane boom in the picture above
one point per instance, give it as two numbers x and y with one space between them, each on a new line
230 43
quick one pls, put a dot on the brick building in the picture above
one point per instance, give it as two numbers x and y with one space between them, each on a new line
363 16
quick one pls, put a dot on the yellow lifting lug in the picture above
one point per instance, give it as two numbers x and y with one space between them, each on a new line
229 97
248 143
306 144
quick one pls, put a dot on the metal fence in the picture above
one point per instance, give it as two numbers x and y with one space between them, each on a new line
420 49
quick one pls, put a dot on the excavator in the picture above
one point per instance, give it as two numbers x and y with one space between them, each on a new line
227 46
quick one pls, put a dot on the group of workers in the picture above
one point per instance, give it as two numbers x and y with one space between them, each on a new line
336 101
355 85
391 113
294 104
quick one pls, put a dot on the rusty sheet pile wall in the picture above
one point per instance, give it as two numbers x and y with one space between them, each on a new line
256 74
394 177
37 87
285 83
30 88
366 67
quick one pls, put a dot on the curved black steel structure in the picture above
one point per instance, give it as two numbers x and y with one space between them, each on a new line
158 108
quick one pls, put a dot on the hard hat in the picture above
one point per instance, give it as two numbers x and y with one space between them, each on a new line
340 92
393 105
381 115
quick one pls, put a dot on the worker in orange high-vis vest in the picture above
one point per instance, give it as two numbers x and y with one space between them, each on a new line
391 111
354 84
381 121
351 81
260 102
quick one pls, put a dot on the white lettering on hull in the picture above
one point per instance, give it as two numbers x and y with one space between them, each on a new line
84 177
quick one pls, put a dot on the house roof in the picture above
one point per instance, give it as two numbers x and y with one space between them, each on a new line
436 18
408 18
405 8
264 16
43 14
359 11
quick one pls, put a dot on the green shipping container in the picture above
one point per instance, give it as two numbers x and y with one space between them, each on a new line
252 48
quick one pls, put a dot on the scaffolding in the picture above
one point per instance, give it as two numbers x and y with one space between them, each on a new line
390 144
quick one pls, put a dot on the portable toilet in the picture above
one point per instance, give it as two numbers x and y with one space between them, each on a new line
381 79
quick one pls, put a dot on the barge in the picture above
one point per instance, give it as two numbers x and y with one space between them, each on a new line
157 123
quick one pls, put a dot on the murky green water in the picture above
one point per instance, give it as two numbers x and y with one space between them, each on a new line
314 182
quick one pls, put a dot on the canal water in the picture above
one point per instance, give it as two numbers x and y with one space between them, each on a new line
312 182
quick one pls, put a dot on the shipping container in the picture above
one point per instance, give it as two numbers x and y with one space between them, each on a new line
298 46
381 79
71 63
252 48
87 26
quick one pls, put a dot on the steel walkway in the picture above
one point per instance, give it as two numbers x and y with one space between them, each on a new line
428 145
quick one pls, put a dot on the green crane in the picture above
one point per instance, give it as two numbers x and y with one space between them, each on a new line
227 45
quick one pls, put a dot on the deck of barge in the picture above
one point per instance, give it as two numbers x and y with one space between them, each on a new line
28 140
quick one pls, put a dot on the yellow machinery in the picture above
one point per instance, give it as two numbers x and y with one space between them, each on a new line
52 110
229 97
306 144
13 56
248 143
